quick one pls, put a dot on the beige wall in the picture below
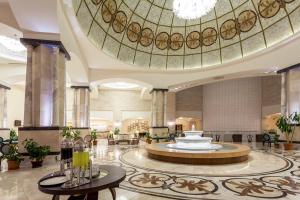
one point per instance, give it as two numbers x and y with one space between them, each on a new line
189 103
271 95
123 104
233 105
171 107
15 105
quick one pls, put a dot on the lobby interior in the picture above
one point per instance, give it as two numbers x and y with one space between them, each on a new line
149 99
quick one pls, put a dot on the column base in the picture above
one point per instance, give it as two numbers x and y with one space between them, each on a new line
4 133
159 132
49 136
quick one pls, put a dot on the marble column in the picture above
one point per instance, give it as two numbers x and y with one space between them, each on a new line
81 109
4 130
158 115
44 112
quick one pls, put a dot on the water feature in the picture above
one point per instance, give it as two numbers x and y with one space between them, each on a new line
193 140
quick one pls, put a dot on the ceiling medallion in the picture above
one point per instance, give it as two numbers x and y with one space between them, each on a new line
192 9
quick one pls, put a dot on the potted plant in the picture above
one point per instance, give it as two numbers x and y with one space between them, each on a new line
70 134
67 133
148 138
13 135
276 140
76 134
94 136
287 125
13 158
116 131
36 153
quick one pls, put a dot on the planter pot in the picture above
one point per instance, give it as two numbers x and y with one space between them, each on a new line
95 142
277 146
36 164
288 146
13 165
149 141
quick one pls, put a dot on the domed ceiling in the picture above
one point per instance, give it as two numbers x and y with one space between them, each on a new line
146 33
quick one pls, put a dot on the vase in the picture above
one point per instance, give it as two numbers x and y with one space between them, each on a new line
288 146
36 164
95 142
149 141
13 165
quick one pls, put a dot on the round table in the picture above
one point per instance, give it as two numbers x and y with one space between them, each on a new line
112 180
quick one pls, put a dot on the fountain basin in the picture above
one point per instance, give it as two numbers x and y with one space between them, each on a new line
227 154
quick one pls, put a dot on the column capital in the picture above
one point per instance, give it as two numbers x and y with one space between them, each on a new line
287 69
5 87
81 87
159 89
37 42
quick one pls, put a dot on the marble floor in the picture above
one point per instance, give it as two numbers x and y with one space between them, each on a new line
268 174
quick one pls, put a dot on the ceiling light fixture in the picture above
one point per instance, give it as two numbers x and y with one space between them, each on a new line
192 9
11 44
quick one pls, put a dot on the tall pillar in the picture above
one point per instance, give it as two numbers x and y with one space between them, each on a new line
81 109
44 114
4 130
158 115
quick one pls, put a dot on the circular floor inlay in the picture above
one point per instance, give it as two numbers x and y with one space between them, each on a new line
259 163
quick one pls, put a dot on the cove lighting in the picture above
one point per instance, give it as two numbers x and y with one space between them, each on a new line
120 85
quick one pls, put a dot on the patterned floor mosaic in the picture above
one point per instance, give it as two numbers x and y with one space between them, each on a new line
269 174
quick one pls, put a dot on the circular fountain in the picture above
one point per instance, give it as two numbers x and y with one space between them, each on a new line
195 149
193 140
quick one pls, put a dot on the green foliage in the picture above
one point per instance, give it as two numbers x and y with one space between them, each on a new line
76 134
116 131
147 135
13 154
287 124
276 138
67 133
94 134
13 135
36 152
70 134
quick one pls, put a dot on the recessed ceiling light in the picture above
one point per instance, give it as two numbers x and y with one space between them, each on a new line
120 85
11 44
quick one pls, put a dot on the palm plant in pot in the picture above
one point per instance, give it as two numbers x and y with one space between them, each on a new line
13 158
36 153
94 136
287 125
148 138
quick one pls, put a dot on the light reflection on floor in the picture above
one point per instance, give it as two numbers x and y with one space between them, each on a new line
149 179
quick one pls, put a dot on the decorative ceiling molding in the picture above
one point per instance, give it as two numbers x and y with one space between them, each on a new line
148 34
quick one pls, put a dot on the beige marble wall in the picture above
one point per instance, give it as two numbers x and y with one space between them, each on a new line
170 107
3 107
43 137
119 102
81 107
232 105
271 95
293 91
